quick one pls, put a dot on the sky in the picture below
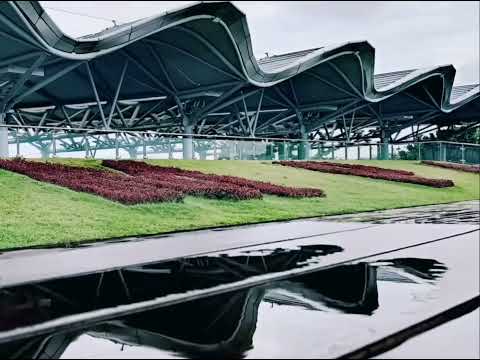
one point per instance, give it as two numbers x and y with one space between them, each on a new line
405 35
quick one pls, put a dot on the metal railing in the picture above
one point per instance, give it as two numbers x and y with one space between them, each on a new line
47 142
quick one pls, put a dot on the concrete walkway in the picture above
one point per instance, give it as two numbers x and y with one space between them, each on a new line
357 240
454 245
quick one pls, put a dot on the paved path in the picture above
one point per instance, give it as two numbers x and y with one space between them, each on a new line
294 318
357 239
457 339
455 245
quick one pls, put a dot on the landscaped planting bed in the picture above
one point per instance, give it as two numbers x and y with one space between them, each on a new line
210 185
461 167
367 171
96 218
142 183
372 168
110 185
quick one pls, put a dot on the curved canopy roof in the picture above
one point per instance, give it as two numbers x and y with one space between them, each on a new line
193 69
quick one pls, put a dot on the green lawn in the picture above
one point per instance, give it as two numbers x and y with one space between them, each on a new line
34 213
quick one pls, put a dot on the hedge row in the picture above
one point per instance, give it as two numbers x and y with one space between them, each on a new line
367 171
116 187
211 185
462 167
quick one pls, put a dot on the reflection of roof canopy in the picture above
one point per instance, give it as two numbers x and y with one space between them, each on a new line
195 67
227 322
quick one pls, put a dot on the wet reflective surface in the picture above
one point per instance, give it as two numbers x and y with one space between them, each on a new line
38 302
358 240
26 266
467 212
457 339
325 313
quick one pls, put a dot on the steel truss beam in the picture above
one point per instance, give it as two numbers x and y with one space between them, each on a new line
45 82
117 93
344 110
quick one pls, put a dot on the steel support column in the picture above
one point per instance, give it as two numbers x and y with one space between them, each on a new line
3 138
45 152
117 149
132 152
144 147
384 150
282 150
320 151
290 149
188 142
442 152
269 152
307 148
170 149
304 150
215 155
304 146
95 92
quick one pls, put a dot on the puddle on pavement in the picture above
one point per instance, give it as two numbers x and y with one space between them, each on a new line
277 319
38 302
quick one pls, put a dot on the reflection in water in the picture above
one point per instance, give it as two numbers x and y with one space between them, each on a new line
36 303
217 326
457 213
427 269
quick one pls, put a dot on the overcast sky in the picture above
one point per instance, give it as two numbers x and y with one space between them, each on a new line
406 35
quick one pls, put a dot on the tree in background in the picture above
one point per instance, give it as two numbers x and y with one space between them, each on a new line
460 135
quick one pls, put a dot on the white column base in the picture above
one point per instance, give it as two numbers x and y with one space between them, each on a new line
3 143
308 149
188 144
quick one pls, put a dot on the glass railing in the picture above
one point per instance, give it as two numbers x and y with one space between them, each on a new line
47 142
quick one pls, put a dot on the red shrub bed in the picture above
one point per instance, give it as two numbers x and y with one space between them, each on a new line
367 171
209 189
210 185
461 167
116 187
370 168
143 183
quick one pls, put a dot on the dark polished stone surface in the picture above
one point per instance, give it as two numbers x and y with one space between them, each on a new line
324 313
457 339
302 289
358 239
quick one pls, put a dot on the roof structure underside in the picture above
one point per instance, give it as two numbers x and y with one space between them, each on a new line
194 69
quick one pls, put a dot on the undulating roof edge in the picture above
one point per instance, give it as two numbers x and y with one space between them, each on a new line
47 35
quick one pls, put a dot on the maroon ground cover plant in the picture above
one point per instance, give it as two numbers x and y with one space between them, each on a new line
112 186
211 185
171 179
195 187
143 183
462 167
367 171
370 168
